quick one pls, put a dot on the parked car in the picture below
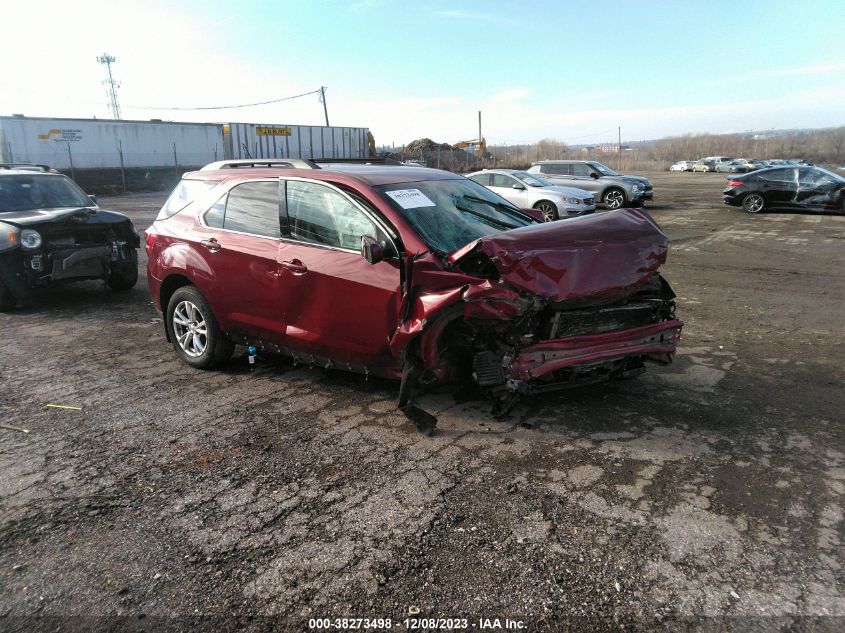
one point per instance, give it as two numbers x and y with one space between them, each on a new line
754 164
717 160
52 233
682 165
526 190
797 188
414 274
733 167
703 165
614 190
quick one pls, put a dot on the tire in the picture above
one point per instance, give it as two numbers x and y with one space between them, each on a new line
7 300
125 277
614 198
753 203
548 209
194 332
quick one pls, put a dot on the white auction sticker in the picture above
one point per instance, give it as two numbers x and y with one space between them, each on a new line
410 198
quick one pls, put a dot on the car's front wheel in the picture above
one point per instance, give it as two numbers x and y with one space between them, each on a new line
194 332
548 209
7 299
753 203
614 198
124 277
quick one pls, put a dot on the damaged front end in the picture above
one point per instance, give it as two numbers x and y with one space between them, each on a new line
41 248
543 308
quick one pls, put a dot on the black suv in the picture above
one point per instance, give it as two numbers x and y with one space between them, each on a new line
52 233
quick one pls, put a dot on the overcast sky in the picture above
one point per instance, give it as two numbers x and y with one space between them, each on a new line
572 71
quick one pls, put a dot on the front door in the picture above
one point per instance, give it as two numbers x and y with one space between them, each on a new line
336 304
503 185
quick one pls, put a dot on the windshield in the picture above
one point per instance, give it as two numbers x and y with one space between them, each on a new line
25 192
531 180
603 169
449 214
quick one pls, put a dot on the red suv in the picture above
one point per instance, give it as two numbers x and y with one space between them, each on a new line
408 273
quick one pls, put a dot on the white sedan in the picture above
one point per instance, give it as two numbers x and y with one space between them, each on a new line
532 191
682 165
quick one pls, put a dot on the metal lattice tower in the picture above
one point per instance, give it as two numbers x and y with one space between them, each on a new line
113 85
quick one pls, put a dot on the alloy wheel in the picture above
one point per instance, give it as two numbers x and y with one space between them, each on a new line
548 210
753 203
614 199
190 329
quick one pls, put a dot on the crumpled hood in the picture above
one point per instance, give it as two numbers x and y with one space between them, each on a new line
83 215
589 259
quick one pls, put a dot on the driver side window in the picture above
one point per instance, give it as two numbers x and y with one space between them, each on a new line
581 170
320 215
501 180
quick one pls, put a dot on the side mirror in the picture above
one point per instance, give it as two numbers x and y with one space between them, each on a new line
371 250
92 198
519 185
595 175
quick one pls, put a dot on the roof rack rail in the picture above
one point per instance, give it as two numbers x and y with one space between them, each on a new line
247 163
28 166
359 161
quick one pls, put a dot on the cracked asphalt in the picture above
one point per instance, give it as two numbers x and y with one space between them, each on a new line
707 495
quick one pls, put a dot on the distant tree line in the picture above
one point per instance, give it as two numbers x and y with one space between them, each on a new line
816 146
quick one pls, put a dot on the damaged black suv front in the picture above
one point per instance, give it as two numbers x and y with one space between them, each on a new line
52 233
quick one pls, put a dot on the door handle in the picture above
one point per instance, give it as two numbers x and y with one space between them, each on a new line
212 244
295 266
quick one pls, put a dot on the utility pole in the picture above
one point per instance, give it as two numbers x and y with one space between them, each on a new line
619 147
480 152
113 85
323 100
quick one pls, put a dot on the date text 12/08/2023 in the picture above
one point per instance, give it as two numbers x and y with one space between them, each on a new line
383 624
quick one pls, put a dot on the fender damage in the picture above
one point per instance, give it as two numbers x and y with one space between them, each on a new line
539 308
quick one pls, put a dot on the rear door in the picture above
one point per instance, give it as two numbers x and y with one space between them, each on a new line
336 305
780 187
241 243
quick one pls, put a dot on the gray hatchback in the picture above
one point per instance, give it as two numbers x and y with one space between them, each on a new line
613 189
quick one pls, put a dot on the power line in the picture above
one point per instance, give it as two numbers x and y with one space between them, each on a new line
231 107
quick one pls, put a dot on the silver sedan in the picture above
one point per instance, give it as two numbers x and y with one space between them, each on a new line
532 191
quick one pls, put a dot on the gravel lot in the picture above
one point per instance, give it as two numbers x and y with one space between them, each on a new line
706 494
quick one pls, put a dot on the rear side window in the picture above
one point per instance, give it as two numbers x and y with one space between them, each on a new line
252 207
555 169
184 194
481 179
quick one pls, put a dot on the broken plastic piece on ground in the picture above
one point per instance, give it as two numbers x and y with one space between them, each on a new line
14 428
424 421
64 406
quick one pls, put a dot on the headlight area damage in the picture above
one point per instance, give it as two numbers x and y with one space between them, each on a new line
49 247
539 308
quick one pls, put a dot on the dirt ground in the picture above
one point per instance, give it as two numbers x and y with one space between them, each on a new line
703 495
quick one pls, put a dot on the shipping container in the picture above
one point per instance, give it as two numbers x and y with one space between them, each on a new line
105 155
250 140
103 144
